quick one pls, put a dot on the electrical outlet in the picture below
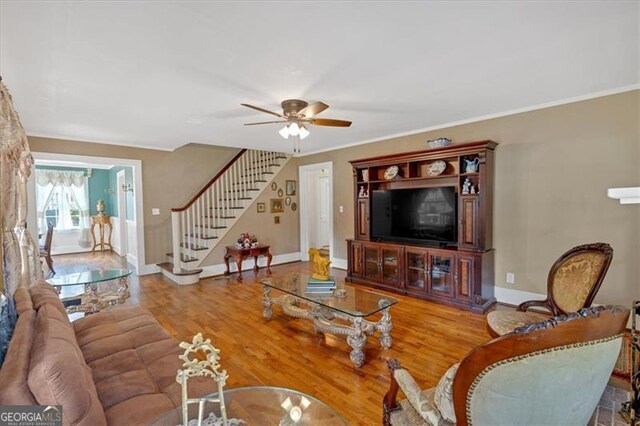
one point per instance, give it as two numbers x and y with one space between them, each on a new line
155 212
511 278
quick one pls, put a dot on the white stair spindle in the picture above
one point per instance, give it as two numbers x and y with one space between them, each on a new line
175 234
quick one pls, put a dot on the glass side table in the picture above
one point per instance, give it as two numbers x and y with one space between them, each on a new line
262 406
91 300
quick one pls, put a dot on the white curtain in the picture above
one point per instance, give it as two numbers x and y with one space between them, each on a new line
80 195
77 185
43 195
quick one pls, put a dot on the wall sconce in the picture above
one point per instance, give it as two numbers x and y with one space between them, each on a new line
110 191
127 187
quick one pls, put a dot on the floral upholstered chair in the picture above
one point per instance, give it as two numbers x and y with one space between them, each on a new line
574 280
548 373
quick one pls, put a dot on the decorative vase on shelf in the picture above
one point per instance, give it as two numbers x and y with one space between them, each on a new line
100 207
472 165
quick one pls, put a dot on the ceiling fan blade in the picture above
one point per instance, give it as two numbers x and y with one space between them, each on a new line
262 110
265 122
313 109
330 122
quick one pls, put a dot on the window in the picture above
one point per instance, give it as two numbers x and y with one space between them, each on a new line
61 209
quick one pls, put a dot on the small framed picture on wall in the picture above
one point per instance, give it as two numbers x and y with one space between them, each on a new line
262 207
291 187
276 220
277 205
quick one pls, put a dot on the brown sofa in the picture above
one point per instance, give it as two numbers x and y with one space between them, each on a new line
115 367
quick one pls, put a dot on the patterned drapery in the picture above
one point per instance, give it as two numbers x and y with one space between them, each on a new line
20 258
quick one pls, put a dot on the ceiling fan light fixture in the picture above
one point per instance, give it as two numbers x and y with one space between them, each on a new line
294 129
284 132
303 132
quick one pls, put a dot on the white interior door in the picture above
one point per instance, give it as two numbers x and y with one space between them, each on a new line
316 207
122 212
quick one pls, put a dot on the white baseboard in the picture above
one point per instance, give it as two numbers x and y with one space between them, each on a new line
148 269
70 250
339 263
219 269
515 297
132 259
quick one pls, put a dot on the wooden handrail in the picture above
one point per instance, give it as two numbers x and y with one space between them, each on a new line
208 185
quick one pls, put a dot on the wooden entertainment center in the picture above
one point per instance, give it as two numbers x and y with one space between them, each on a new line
459 274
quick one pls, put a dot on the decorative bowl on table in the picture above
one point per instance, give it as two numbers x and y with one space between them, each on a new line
438 143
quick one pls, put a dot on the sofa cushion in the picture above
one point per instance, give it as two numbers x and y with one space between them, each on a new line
14 389
444 394
22 299
43 293
58 374
134 362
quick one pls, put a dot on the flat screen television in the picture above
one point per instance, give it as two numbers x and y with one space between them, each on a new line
419 215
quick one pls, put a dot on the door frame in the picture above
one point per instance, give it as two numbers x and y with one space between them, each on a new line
140 267
304 173
122 212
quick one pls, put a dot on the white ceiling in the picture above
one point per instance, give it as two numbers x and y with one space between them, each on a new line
162 74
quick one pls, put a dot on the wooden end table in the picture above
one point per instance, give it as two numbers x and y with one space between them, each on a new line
241 253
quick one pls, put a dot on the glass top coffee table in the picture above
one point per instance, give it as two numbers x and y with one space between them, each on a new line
263 405
342 311
92 300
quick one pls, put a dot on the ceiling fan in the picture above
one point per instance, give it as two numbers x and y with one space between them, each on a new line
296 114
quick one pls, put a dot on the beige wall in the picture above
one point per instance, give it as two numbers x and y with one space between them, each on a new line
553 168
169 179
283 238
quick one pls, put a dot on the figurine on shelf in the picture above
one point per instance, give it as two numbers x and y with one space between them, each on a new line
466 187
473 189
361 193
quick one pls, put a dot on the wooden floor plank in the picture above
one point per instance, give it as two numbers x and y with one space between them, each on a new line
286 352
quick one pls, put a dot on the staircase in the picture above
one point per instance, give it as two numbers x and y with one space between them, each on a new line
198 227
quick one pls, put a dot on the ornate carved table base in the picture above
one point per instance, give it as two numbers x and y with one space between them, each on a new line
324 322
92 301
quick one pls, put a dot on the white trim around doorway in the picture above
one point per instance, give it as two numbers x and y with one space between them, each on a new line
303 173
139 265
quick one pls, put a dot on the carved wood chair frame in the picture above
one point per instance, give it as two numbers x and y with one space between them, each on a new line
549 303
586 325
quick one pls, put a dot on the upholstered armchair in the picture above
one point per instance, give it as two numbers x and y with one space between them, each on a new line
572 284
552 373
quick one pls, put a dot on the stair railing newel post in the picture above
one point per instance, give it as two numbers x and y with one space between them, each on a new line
175 230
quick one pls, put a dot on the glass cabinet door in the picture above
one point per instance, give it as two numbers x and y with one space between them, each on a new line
416 271
390 265
441 268
371 266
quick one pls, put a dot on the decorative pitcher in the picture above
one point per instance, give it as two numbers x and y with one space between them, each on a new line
472 165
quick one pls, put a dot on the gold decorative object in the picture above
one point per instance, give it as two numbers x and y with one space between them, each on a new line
210 367
320 269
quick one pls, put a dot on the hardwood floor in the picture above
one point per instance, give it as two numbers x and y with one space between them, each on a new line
286 352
